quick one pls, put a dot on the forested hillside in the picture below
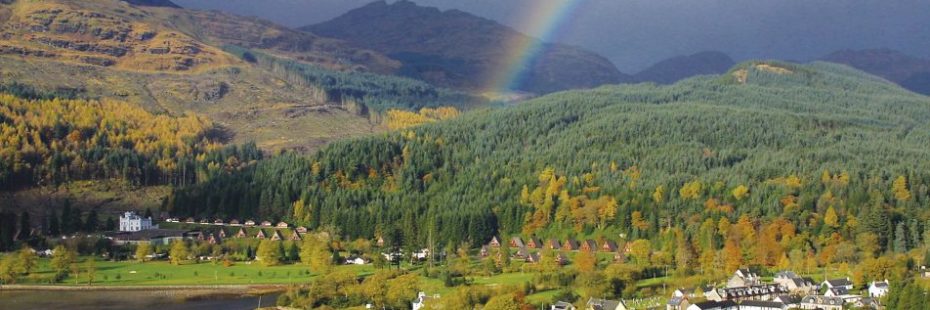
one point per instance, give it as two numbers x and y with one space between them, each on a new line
800 158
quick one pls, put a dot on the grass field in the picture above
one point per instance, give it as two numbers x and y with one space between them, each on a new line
163 273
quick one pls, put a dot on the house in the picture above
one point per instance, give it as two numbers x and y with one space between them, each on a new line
561 305
249 223
844 282
877 289
570 245
761 305
678 303
266 224
484 251
561 259
517 242
822 302
276 236
380 242
234 222
532 258
795 283
421 300
241 233
172 220
619 256
190 220
605 304
790 301
534 243
221 233
152 236
867 303
609 246
521 253
714 305
356 261
260 234
836 292
757 292
589 245
282 225
204 221
743 277
131 222
213 239
218 222
302 230
553 244
295 236
495 242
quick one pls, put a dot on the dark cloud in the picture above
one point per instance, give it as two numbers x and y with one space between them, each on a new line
636 33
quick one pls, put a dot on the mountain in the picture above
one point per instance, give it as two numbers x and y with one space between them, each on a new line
460 50
162 3
579 163
261 82
678 68
908 71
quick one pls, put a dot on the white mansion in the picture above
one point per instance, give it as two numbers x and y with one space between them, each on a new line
130 221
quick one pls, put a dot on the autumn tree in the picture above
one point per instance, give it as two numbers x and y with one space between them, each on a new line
143 249
268 253
62 258
178 252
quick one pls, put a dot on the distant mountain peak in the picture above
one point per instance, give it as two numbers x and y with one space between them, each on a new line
456 49
681 67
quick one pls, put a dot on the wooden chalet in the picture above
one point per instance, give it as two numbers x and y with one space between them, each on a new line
276 235
301 229
619 256
218 222
214 239
249 223
282 225
554 244
295 236
484 251
260 234
561 259
517 242
380 242
204 221
234 222
589 245
521 253
532 258
534 243
571 245
221 233
266 224
190 220
495 242
609 246
241 233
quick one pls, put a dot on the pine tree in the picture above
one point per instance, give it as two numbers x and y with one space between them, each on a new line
53 227
900 239
25 226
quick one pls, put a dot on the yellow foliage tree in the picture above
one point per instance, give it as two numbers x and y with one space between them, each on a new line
740 192
901 192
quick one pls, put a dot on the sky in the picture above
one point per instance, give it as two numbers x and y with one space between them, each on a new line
634 34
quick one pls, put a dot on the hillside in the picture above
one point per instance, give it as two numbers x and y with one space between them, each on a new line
660 151
460 50
905 70
678 68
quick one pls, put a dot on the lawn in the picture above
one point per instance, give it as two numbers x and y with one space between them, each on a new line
163 273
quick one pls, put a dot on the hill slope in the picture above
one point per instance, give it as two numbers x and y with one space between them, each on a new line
758 125
903 69
681 67
457 49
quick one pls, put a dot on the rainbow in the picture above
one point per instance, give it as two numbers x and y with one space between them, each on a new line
544 18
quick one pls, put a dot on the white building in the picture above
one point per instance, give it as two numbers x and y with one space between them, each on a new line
421 300
878 288
130 221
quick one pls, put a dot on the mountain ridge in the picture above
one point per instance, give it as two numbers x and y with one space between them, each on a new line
908 71
458 49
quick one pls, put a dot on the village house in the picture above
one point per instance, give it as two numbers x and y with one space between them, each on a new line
213 239
534 243
554 244
260 234
204 221
570 245
609 246
795 283
495 242
521 253
867 303
763 292
561 305
790 301
517 242
421 300
218 222
589 245
221 232
131 222
877 289
484 251
276 236
678 303
190 220
356 261
822 302
282 225
234 222
241 233
605 304
843 282
743 277
266 224
714 305
301 229
296 236
172 220
249 223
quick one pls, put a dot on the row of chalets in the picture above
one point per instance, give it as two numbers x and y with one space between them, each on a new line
567 245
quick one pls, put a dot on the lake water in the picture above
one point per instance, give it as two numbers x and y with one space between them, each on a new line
117 300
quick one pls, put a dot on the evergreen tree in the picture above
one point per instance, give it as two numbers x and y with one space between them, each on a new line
25 226
65 223
91 224
900 239
53 227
